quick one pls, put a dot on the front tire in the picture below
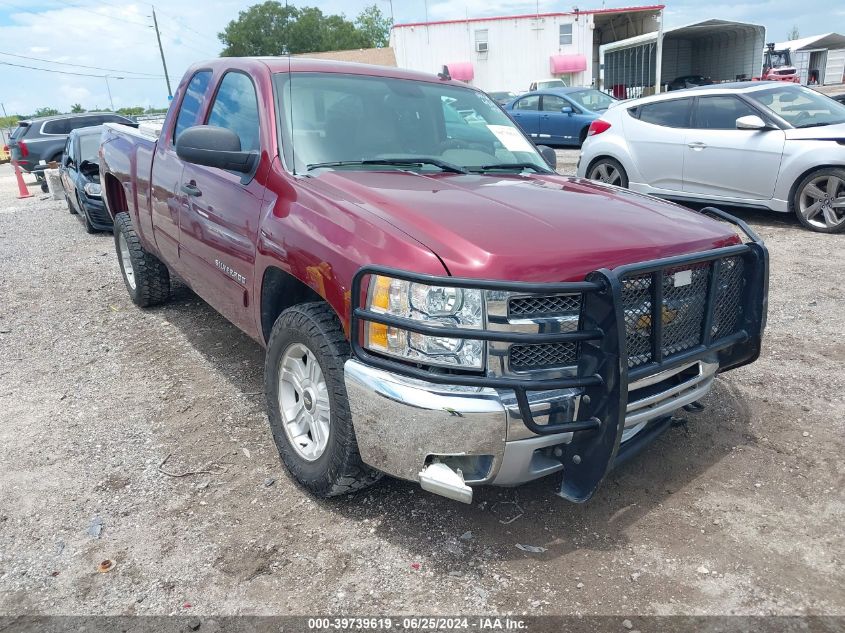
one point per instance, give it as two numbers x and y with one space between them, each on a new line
819 200
71 209
608 170
146 278
307 403
89 228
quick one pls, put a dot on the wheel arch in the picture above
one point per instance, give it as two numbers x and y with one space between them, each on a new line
793 188
607 155
113 195
281 290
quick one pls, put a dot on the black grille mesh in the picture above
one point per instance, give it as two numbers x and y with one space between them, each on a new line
525 357
684 307
539 306
636 303
729 302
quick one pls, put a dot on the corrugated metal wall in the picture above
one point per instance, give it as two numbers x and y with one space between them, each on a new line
835 71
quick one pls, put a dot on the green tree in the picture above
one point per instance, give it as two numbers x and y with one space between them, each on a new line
76 108
374 25
131 111
46 112
271 28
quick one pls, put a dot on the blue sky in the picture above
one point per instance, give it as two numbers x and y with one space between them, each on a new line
116 35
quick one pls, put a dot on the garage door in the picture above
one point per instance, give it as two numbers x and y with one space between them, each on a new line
835 69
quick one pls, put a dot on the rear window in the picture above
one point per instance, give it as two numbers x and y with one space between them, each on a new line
674 113
19 131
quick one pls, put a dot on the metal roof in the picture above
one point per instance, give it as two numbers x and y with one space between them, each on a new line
707 28
826 40
653 7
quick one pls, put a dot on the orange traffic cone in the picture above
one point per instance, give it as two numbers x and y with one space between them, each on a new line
23 192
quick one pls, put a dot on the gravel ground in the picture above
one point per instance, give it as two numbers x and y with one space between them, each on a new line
739 512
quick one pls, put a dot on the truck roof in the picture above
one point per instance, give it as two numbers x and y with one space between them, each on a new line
281 64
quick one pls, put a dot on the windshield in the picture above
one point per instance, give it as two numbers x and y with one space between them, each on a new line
88 147
330 118
800 107
779 58
591 100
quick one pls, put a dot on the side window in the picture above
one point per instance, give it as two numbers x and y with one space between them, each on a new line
528 103
190 107
82 121
58 126
720 112
565 34
675 113
552 103
236 108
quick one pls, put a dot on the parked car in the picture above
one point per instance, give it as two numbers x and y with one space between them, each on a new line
503 97
561 116
433 311
690 81
44 138
546 84
80 174
759 144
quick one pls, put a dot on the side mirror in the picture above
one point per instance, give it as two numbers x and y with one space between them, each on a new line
750 122
567 110
214 147
548 155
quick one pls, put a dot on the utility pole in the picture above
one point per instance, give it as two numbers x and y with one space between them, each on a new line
161 50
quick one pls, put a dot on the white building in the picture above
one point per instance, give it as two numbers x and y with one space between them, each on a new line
820 59
508 53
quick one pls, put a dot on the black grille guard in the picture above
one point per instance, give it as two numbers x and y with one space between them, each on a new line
602 371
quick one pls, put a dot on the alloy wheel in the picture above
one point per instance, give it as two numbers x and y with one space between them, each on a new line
607 173
822 201
126 260
304 402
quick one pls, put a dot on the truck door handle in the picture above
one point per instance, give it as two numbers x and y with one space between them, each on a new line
191 189
697 145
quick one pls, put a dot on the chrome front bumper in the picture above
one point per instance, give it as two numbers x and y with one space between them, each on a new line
403 424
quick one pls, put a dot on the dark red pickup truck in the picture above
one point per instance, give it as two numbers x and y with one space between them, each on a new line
436 302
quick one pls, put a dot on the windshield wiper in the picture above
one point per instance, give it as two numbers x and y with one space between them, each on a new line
799 127
519 166
405 162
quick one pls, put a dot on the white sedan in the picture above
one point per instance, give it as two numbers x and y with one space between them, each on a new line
760 144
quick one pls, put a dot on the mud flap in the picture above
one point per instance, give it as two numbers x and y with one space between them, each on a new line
590 456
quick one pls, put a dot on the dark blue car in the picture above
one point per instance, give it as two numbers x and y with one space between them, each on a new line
80 172
558 116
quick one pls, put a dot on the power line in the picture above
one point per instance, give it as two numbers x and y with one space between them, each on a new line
204 36
105 15
68 72
50 61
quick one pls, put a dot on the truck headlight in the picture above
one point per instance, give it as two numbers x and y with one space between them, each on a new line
434 305
92 189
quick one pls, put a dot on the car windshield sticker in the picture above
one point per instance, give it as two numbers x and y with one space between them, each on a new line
511 138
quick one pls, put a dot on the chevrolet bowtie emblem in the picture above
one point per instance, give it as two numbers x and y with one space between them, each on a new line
644 322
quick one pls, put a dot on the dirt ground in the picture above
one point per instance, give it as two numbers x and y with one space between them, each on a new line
741 512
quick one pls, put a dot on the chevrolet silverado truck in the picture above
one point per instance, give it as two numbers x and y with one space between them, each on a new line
436 303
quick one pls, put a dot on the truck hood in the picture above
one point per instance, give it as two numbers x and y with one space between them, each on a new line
526 228
820 133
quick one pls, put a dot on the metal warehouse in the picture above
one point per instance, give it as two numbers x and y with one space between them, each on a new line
820 59
508 53
717 49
